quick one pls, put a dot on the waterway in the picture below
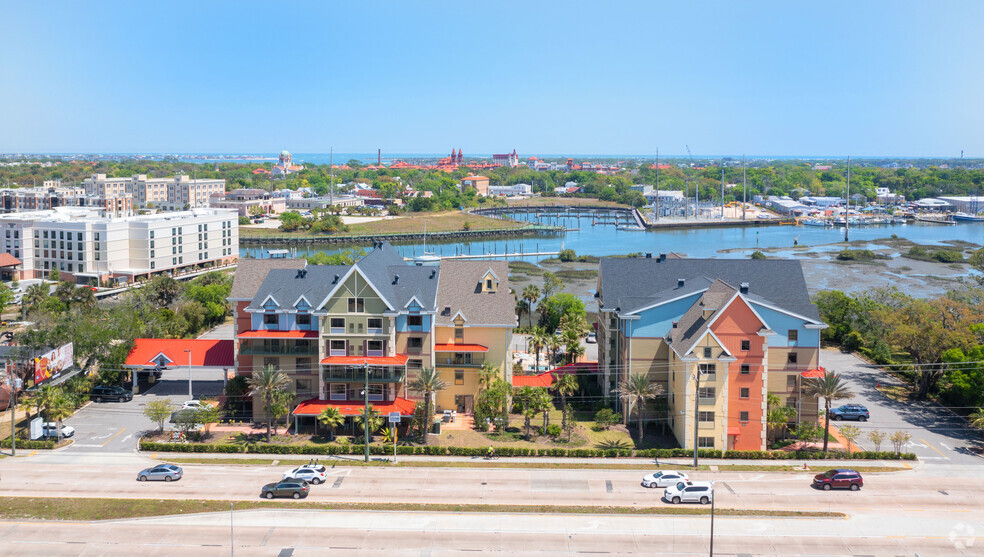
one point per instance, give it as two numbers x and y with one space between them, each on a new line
737 242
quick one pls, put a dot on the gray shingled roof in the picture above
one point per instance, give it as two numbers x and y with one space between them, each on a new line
250 274
288 285
460 290
634 283
692 325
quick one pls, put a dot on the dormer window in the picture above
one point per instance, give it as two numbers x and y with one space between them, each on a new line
490 282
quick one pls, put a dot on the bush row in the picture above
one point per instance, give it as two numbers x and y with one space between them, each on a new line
512 451
25 444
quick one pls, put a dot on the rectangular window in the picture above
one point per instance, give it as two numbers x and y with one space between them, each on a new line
746 345
415 321
792 335
415 365
743 417
705 442
337 391
303 365
270 319
337 325
791 358
790 381
459 334
375 348
706 417
706 393
336 348
745 369
271 362
375 325
708 352
302 386
415 345
356 305
707 371
376 392
304 319
459 377
743 392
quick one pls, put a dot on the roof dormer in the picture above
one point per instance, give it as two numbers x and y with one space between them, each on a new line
490 282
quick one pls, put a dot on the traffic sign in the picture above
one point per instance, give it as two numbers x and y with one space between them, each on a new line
394 417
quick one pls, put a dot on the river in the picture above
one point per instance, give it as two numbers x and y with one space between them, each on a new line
602 240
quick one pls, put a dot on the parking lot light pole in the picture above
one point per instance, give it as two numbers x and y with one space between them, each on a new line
190 396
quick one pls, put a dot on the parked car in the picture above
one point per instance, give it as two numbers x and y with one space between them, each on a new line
592 338
105 392
690 492
161 472
850 412
186 417
286 488
841 478
50 430
664 478
192 404
310 474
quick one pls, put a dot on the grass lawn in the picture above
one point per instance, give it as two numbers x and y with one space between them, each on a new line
583 437
84 509
452 221
899 393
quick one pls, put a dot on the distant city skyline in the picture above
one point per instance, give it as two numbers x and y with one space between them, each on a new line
872 79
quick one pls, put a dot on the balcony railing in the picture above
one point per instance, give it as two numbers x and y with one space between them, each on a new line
358 373
459 362
260 349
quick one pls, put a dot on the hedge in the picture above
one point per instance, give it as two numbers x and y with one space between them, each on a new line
25 444
435 450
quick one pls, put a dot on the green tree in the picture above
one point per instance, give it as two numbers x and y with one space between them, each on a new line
331 418
565 384
35 296
374 422
487 374
538 338
61 408
6 297
493 404
158 411
551 285
777 416
531 294
208 414
522 306
831 388
264 384
606 418
527 397
427 383
876 437
162 291
899 440
48 396
636 389
554 308
851 434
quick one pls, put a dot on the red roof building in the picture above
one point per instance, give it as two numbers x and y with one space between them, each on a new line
171 352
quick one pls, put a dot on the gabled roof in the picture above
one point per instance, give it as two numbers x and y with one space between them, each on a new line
250 274
7 260
460 290
635 283
693 325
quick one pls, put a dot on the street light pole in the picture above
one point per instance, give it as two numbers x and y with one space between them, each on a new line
365 412
712 522
14 385
190 395
696 413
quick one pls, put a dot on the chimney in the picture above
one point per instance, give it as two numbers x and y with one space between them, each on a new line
681 282
675 323
743 287
649 255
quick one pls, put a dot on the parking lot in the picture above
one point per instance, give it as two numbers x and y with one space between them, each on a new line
117 426
938 435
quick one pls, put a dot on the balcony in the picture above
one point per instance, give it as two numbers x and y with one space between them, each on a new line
258 348
459 360
353 374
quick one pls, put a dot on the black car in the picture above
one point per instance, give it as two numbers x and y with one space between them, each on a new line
103 392
287 488
850 412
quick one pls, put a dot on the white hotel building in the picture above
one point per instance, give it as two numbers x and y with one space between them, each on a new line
89 249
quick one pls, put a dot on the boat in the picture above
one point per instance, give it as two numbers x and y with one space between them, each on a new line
967 217
633 227
814 222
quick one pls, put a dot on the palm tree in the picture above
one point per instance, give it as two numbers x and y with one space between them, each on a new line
977 418
544 403
528 397
553 345
637 389
572 343
531 294
375 420
538 339
428 383
61 408
487 374
35 296
778 415
47 397
565 385
331 418
522 306
830 388
263 384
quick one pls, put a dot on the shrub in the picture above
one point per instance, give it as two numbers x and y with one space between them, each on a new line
553 430
853 341
606 418
27 444
758 255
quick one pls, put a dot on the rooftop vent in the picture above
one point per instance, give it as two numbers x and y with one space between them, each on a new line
396 279
681 282
301 273
433 273
336 279
743 287
649 255
662 257
447 310
675 323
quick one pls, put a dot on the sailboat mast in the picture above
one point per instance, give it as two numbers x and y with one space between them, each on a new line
847 216
657 183
744 189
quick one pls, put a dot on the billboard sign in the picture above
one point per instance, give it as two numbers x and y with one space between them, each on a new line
52 363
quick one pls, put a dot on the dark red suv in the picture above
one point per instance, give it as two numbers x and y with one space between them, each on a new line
839 478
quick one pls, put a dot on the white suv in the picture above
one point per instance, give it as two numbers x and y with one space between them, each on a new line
690 492
312 474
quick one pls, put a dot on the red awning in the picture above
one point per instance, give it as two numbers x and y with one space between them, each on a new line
460 348
278 334
734 431
398 360
814 373
148 352
314 406
541 380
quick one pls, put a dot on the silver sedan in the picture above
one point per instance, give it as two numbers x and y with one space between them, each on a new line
161 472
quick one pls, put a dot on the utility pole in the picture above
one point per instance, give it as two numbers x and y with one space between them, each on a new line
696 413
15 384
847 215
657 183
744 190
722 192
331 174
365 415
190 396
712 522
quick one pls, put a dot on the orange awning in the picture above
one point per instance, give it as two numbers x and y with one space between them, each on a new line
278 334
398 360
734 431
460 348
814 373
314 406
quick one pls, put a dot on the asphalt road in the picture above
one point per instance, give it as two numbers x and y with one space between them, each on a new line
938 435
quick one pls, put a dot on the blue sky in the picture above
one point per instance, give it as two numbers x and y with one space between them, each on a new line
764 78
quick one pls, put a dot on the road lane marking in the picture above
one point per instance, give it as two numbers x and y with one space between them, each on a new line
608 486
338 482
945 447
114 436
934 448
